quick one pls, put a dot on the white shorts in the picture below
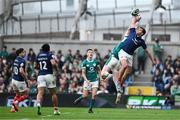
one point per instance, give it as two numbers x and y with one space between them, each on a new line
19 85
112 62
90 86
46 81
123 55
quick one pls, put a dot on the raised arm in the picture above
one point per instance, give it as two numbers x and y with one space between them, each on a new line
134 21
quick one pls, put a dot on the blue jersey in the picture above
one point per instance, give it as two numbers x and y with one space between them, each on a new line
133 42
18 63
44 62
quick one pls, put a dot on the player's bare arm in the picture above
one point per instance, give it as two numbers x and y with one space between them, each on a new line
99 72
84 75
24 75
150 56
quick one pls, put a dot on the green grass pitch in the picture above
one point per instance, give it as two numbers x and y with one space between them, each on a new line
99 114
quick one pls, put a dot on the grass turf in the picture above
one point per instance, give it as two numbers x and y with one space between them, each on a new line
99 114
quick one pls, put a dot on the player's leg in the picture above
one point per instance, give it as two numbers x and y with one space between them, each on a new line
128 69
105 73
21 93
119 89
85 93
52 89
127 72
54 100
39 99
41 86
122 69
24 95
110 63
94 93
126 60
18 95
14 106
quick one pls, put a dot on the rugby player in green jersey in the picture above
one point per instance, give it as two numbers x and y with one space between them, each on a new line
90 71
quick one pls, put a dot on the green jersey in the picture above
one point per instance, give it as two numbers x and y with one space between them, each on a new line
117 48
91 68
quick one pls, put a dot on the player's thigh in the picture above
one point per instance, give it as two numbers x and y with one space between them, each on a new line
85 93
125 58
94 87
128 70
41 82
86 86
19 86
111 62
52 90
50 81
40 91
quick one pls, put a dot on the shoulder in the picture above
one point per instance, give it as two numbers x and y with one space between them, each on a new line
132 29
95 60
84 61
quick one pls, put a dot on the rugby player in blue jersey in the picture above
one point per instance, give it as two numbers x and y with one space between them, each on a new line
132 42
19 79
46 63
114 62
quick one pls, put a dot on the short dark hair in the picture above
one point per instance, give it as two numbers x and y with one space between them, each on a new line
20 50
45 47
143 31
89 50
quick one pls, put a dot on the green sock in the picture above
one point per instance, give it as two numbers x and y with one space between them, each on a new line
80 98
92 102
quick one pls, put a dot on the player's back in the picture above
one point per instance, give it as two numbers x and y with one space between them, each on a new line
18 63
44 62
118 47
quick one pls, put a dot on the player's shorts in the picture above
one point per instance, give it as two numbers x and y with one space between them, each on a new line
112 62
19 85
46 81
123 55
90 86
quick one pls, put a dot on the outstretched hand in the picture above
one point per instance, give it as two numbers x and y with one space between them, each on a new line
135 12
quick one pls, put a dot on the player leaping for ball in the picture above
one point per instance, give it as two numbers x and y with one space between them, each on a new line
132 42
114 62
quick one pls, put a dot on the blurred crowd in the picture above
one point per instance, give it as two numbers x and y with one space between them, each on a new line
165 73
166 76
69 80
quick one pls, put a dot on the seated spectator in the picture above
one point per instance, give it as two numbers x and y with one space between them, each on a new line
168 60
175 88
33 84
176 65
1 84
61 59
157 79
167 76
69 56
63 88
77 55
73 87
158 65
